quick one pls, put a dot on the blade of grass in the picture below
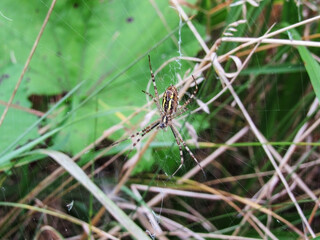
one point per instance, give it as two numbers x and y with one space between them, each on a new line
312 67
219 70
28 61
57 214
5 161
66 162
11 146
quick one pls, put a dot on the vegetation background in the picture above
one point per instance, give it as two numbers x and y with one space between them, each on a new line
71 75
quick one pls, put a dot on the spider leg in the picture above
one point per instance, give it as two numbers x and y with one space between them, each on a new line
154 86
176 133
154 100
145 131
141 133
180 149
189 100
181 111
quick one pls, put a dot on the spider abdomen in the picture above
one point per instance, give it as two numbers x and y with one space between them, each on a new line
170 101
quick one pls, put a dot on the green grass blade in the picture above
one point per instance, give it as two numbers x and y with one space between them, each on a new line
56 214
70 166
62 100
5 160
311 65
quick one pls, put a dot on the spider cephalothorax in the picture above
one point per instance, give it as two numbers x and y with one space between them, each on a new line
168 110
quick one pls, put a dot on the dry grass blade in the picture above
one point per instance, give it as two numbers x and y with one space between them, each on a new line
81 177
257 40
60 215
215 195
246 202
215 154
191 26
128 172
247 131
221 74
183 231
28 61
274 41
152 218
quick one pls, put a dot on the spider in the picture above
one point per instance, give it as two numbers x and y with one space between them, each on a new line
168 110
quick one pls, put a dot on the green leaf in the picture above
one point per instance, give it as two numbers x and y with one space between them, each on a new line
103 42
17 120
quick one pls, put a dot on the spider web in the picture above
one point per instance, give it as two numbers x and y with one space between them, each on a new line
108 50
